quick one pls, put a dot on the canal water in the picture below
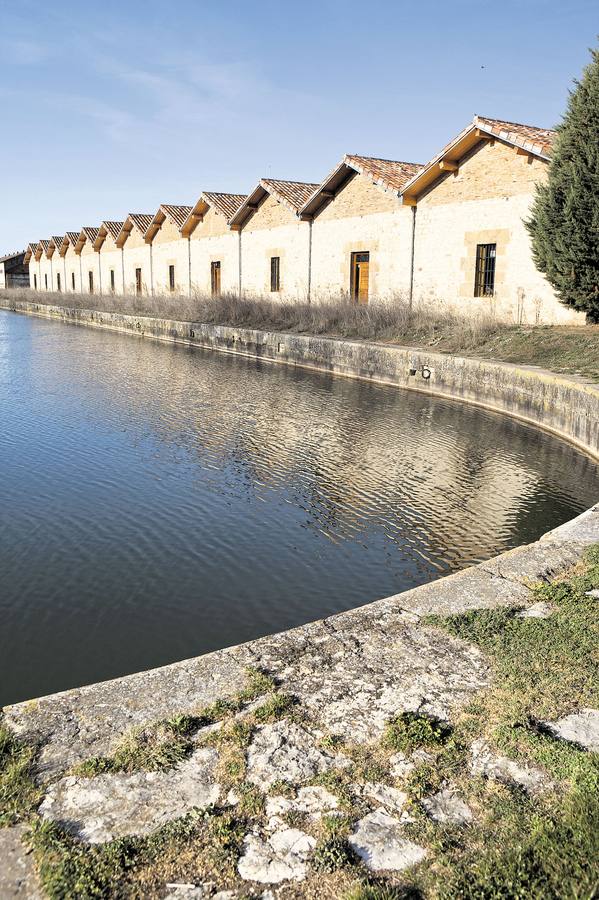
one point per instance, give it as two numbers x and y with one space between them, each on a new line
158 502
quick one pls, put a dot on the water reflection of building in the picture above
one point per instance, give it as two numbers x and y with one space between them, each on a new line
358 460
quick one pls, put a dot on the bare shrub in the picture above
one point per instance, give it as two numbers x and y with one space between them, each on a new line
390 320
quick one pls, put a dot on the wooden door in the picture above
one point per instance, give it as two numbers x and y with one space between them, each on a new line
360 272
215 278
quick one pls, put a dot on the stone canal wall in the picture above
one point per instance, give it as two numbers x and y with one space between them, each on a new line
563 405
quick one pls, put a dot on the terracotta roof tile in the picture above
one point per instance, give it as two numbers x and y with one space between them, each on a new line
531 137
72 237
293 193
142 221
90 233
57 240
388 173
177 214
226 204
44 245
113 228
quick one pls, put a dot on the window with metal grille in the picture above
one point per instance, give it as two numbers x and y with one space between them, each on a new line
58 282
35 282
171 278
112 280
73 280
138 281
90 276
215 278
46 282
275 273
484 277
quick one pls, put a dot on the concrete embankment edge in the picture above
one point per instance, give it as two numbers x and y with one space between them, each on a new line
565 406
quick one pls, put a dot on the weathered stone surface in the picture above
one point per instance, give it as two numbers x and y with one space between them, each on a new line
198 892
501 768
447 808
540 561
354 672
109 806
286 752
313 800
540 610
17 874
280 857
379 841
400 765
90 721
581 727
594 593
583 530
391 798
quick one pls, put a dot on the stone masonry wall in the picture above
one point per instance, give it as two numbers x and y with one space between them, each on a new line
362 218
274 231
486 201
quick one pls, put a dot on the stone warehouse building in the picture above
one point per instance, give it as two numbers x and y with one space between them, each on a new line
449 233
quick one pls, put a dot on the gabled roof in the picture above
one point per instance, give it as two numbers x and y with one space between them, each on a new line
292 194
224 204
388 174
107 228
88 234
527 138
71 238
30 251
56 243
530 137
140 221
42 248
175 214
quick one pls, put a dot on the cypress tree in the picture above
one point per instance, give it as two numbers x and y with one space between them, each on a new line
564 223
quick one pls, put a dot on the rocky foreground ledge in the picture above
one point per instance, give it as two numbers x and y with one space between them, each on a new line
442 742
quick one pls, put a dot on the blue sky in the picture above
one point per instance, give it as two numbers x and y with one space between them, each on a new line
117 107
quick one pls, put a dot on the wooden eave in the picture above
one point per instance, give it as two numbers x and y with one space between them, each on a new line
327 191
80 242
195 217
155 225
125 232
102 235
447 161
249 206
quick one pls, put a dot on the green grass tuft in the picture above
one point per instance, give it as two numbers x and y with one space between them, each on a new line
410 731
19 795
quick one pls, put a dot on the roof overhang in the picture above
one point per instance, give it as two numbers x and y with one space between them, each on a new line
81 241
198 211
126 230
449 159
328 190
249 206
29 252
155 225
128 226
102 235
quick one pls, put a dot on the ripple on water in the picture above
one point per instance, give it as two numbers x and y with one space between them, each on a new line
156 503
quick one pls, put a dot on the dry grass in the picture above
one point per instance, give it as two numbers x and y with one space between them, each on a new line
567 349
